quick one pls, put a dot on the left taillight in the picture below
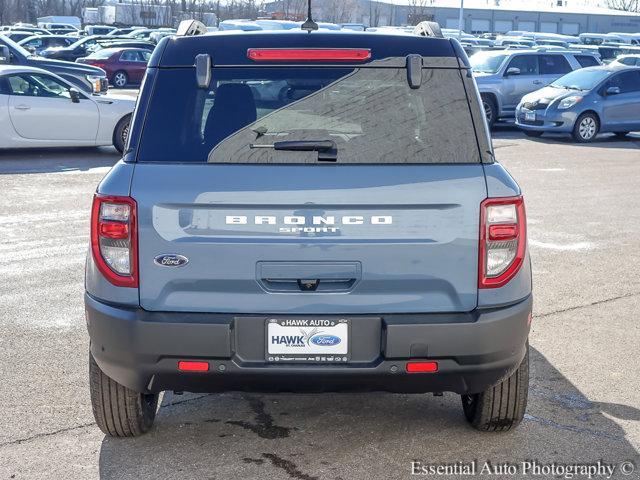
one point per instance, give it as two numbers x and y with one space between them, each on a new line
503 240
114 239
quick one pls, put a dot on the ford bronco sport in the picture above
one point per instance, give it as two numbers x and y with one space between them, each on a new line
308 211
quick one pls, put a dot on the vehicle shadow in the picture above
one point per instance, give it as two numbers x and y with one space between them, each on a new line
505 131
52 160
352 436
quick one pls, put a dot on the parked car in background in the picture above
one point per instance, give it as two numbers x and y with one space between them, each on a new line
504 41
543 37
81 48
40 109
155 37
85 77
27 28
145 33
607 52
356 27
584 103
98 29
599 38
123 43
37 43
505 76
630 38
18 35
628 60
124 31
124 66
60 28
244 25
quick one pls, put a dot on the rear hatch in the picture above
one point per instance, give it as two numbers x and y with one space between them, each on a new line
308 190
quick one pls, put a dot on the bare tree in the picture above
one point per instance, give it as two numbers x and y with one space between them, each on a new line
338 11
374 13
626 5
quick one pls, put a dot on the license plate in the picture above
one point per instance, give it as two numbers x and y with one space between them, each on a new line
530 116
307 340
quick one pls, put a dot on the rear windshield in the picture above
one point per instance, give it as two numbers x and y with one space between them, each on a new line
369 115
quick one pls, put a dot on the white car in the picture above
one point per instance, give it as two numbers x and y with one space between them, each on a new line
40 109
632 60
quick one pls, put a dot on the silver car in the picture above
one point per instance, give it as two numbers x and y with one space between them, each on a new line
504 77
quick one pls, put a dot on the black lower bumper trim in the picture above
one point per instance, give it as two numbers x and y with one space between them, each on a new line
141 349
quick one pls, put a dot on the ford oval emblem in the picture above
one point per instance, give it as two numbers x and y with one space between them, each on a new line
325 340
171 260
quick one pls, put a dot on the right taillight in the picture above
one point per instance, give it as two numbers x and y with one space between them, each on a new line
503 240
114 241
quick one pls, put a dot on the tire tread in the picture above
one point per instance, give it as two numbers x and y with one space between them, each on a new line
500 407
118 410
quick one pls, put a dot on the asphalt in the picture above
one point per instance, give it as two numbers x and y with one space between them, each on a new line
583 208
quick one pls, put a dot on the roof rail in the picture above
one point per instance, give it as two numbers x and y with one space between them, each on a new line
428 29
188 28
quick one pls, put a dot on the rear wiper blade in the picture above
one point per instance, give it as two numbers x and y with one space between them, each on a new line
327 150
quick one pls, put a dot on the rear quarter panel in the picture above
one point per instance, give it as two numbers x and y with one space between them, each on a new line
501 184
116 182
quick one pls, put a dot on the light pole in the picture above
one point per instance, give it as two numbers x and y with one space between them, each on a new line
460 19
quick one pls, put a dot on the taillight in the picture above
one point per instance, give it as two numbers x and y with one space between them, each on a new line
114 239
503 240
309 54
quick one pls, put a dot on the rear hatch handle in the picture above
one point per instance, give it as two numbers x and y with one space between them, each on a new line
321 277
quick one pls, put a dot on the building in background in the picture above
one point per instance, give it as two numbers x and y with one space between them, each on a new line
570 17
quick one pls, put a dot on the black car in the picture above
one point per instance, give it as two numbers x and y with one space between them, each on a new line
81 48
87 78
38 43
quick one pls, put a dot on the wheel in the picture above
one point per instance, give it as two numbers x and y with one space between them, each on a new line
121 133
501 407
586 128
118 410
533 133
621 135
120 79
490 109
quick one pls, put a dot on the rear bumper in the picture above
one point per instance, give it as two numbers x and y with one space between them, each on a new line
141 349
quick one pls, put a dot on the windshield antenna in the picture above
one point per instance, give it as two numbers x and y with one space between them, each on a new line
309 25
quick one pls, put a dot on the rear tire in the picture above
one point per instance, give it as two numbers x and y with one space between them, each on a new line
490 109
586 128
501 407
120 79
533 133
121 133
118 410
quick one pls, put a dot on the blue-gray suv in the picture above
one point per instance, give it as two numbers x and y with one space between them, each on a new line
584 103
315 212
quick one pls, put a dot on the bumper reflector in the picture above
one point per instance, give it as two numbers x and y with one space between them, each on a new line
185 366
422 367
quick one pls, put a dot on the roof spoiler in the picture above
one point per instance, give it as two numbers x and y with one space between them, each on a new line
188 28
428 29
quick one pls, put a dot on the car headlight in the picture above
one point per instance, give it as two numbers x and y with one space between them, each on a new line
96 83
569 102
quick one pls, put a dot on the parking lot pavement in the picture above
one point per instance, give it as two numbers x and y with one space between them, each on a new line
583 209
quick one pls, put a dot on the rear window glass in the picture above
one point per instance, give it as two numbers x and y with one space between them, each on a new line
370 115
587 61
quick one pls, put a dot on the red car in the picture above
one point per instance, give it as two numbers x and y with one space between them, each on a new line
124 66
